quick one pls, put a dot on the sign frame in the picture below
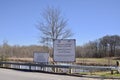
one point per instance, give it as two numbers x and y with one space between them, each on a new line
64 50
37 55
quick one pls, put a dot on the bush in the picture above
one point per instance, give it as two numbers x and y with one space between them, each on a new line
3 58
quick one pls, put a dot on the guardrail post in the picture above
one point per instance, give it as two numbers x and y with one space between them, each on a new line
70 70
44 68
118 66
3 65
117 72
55 70
111 71
29 67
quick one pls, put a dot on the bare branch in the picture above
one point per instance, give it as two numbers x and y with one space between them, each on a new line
53 25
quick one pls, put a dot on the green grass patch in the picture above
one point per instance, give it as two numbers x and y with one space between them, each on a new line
106 74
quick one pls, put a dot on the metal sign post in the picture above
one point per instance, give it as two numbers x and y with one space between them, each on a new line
64 51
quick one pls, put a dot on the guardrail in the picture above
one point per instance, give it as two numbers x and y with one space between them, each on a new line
34 64
54 68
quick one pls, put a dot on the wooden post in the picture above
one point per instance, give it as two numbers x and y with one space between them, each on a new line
70 70
111 71
117 64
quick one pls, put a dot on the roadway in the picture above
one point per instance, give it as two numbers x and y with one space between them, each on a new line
8 74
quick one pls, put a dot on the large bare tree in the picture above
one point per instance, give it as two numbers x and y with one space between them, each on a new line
53 25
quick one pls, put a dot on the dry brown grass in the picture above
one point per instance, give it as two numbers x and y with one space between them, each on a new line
21 59
96 61
24 59
81 61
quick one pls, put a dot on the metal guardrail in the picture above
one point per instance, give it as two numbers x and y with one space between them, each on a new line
3 64
35 64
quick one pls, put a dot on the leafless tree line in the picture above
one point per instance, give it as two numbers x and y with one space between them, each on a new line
16 51
107 46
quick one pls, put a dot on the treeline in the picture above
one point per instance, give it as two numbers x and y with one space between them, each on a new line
20 51
107 46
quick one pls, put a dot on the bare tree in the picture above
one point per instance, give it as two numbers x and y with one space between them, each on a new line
53 26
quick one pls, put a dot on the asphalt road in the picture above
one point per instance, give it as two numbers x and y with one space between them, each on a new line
8 74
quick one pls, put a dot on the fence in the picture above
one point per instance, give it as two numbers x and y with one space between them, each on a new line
52 67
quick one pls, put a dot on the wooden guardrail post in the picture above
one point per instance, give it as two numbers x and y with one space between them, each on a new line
111 71
118 65
117 68
69 70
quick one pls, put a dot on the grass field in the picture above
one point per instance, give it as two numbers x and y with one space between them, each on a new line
20 59
81 61
106 74
96 61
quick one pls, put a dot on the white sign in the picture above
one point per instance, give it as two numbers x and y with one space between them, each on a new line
41 57
64 50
